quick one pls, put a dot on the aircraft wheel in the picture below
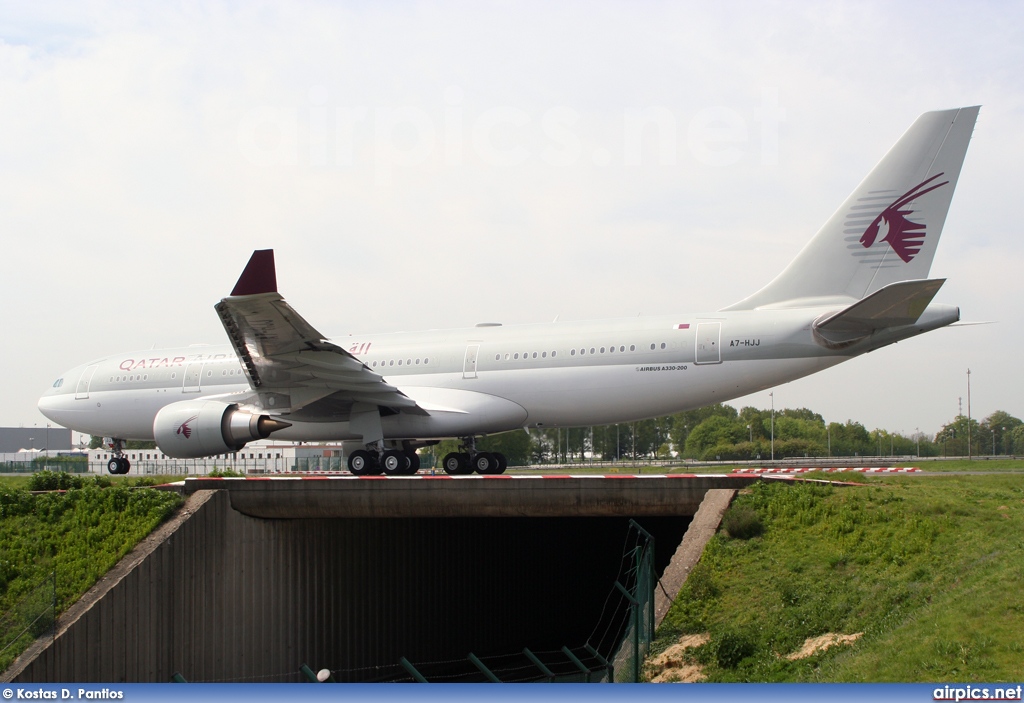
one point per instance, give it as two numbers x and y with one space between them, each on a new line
414 462
485 463
502 462
394 463
362 463
126 465
114 466
456 464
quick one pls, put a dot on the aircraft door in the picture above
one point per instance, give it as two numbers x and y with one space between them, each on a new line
469 367
709 343
193 376
82 390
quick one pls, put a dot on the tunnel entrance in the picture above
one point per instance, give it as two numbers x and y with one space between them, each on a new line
368 593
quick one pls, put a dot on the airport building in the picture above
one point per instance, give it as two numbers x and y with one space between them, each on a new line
263 457
22 450
19 439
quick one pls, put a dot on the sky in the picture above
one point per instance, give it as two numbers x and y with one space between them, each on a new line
430 165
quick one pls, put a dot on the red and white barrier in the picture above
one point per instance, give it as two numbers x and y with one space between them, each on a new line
837 469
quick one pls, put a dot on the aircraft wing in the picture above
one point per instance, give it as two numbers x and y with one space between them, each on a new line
290 365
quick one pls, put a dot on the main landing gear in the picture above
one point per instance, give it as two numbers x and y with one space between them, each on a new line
119 463
470 460
392 462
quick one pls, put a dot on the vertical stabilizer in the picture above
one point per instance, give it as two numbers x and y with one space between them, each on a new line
888 229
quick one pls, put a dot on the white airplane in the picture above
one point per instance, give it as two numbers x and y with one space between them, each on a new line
861 283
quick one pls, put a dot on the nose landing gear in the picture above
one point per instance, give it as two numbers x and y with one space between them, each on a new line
119 463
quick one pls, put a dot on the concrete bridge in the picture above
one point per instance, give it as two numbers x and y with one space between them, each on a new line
560 495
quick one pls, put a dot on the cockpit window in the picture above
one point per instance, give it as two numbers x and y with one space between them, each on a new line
58 383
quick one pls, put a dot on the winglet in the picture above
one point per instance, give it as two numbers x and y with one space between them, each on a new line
259 275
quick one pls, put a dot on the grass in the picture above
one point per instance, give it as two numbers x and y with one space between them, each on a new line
929 568
54 546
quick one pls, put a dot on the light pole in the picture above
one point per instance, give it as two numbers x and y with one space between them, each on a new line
751 432
917 434
969 455
828 431
772 396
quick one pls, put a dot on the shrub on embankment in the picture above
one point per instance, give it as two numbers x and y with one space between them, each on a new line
55 546
929 569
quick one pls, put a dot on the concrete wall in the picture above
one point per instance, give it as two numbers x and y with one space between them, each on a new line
217 595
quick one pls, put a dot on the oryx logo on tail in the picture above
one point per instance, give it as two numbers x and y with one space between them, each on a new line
905 237
184 429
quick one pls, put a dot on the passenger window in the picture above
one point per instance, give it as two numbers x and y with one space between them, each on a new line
632 347
544 355
652 346
535 355
516 355
602 350
591 350
553 353
572 352
662 345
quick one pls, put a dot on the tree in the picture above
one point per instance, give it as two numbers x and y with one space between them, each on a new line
953 437
714 431
996 431
685 422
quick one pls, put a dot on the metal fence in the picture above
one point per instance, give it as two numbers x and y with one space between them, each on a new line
32 615
638 590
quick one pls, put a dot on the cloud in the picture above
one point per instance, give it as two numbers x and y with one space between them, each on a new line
435 165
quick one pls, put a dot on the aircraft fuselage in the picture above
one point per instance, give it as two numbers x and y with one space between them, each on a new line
490 379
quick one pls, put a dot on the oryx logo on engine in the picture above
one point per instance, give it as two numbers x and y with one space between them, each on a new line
184 429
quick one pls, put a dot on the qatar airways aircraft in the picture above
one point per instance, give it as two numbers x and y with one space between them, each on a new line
861 283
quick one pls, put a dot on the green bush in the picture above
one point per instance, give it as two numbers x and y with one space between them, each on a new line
54 481
742 522
225 473
731 646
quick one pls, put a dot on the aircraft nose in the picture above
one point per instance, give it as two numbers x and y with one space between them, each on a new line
58 404
50 406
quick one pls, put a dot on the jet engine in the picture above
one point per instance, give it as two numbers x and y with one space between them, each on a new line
191 429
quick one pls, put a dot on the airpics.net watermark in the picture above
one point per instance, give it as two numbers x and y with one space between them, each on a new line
967 692
450 133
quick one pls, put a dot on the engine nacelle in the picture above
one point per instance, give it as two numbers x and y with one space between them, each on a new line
191 429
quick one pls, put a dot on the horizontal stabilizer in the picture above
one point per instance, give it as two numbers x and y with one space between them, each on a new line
896 305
